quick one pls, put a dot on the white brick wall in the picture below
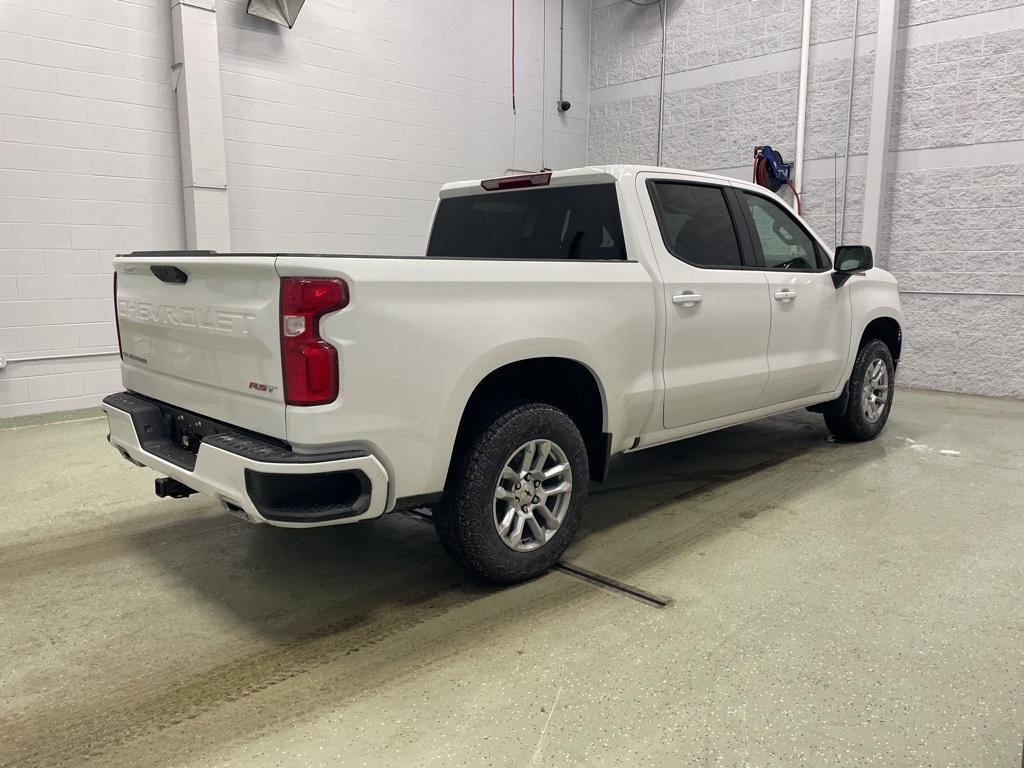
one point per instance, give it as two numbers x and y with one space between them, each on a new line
960 92
88 167
338 134
952 234
627 38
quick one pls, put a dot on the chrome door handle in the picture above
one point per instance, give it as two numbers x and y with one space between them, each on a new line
785 295
687 298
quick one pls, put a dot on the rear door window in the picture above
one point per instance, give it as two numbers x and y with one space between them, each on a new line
574 222
695 224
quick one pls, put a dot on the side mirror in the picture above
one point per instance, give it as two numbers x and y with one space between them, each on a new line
850 259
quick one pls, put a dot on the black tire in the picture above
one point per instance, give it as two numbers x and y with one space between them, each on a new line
852 423
465 517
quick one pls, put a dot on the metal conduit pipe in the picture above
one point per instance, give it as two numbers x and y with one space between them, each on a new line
663 11
543 80
849 121
801 113
663 8
69 356
561 57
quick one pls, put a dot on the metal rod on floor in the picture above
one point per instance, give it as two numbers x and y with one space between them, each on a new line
960 293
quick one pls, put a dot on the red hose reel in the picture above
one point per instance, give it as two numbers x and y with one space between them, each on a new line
772 172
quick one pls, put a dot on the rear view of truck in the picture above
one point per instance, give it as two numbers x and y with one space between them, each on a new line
307 389
214 349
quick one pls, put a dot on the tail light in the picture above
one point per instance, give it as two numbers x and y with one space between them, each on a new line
117 320
309 363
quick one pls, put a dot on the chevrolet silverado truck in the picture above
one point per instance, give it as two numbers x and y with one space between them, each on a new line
556 321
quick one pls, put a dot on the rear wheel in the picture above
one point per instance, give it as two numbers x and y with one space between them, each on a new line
515 499
872 384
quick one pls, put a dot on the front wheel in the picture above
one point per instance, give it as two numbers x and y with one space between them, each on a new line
515 499
872 384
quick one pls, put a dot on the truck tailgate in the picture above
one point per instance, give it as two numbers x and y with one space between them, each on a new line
202 333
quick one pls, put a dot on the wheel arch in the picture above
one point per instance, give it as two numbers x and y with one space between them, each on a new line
887 330
563 382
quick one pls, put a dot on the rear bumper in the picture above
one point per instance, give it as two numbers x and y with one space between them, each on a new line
257 479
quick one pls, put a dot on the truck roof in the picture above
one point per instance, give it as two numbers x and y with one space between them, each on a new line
590 174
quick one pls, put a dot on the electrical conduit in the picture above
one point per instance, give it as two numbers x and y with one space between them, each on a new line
801 113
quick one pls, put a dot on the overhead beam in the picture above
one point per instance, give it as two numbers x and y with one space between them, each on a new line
200 125
878 129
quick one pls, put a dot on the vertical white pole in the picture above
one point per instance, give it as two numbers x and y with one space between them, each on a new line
878 130
201 125
801 109
543 80
663 10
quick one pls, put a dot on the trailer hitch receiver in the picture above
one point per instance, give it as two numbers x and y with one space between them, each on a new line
168 487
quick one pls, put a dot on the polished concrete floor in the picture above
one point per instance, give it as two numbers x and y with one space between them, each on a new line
832 605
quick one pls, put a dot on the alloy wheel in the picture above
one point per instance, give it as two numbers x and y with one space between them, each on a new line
532 495
875 392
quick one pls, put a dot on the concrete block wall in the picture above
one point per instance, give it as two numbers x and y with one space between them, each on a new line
955 240
338 134
340 131
950 233
960 92
88 167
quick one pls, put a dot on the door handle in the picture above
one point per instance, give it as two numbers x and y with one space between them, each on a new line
687 298
785 295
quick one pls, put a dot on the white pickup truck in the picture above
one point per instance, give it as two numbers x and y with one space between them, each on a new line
558 319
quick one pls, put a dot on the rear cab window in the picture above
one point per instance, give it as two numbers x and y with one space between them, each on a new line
574 222
696 224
